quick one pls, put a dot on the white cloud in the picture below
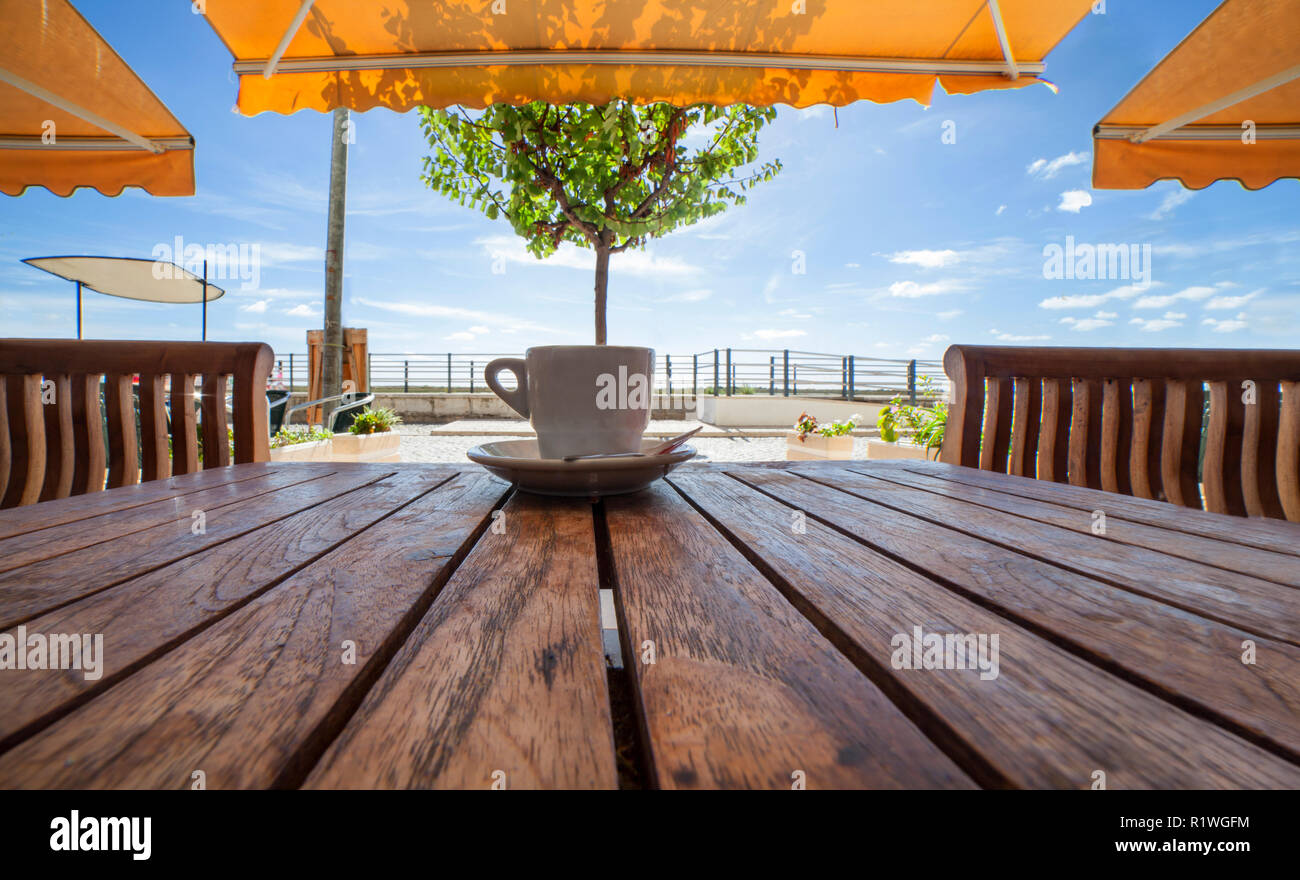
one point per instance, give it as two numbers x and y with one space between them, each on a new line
937 337
1101 319
925 259
1045 169
687 296
1171 201
256 308
778 334
1092 300
998 212
1195 294
794 313
1074 201
949 314
852 265
1155 325
303 310
1227 326
912 290
460 336
1011 337
479 330
569 256
1232 302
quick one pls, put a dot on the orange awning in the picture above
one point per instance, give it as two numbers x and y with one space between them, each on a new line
72 113
1224 105
323 54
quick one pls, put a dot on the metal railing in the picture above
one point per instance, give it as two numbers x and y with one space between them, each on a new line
720 372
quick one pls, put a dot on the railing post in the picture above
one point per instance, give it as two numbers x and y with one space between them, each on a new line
771 376
668 360
911 382
715 372
290 374
406 377
730 375
695 375
785 359
844 378
851 371
449 372
471 377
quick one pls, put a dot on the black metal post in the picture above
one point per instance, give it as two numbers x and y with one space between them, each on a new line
796 379
406 377
471 377
695 375
205 300
290 373
851 371
911 382
78 309
785 371
730 374
449 372
715 372
771 376
668 361
844 378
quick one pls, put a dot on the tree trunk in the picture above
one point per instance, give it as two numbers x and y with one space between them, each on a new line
332 351
602 283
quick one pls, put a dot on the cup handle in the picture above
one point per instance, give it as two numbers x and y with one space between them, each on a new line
517 400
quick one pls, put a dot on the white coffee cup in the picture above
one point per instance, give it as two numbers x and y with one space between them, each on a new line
580 399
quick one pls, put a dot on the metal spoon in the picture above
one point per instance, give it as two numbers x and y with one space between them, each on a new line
662 448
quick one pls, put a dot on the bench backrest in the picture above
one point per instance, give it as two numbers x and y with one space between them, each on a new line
56 440
1130 420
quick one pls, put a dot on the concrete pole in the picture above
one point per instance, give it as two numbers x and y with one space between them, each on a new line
332 355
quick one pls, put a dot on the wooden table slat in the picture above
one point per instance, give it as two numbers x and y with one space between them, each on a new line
251 700
146 615
1260 607
1280 568
30 547
744 692
503 682
1112 627
1276 535
51 583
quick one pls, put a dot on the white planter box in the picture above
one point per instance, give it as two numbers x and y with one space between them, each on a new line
880 450
317 450
367 447
815 447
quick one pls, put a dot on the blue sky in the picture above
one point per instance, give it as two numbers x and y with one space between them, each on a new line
909 243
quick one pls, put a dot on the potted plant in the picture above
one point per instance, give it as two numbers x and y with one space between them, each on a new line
301 444
908 431
809 441
370 437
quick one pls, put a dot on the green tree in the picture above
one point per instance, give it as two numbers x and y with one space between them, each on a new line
606 177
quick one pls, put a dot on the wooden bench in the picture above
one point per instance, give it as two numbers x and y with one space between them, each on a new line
56 440
1131 421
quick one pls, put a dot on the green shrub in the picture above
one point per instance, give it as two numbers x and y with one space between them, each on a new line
287 436
375 421
808 425
923 426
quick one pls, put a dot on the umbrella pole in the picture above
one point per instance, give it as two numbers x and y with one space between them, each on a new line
205 301
78 309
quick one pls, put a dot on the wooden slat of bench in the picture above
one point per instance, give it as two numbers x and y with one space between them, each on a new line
1018 728
744 692
149 614
1257 606
505 673
32 547
1117 629
46 585
251 700
20 521
1278 567
1267 534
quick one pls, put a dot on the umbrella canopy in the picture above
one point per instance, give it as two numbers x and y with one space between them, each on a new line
359 54
72 113
1225 104
132 278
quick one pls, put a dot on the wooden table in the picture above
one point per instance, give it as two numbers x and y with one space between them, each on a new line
327 625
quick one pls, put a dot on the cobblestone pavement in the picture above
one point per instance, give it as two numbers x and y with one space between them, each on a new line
419 445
